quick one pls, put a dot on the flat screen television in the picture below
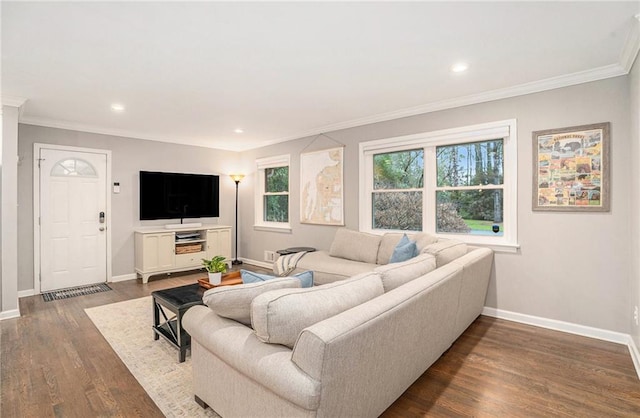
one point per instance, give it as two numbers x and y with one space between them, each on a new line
178 196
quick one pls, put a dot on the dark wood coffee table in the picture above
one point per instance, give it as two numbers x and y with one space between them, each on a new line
177 300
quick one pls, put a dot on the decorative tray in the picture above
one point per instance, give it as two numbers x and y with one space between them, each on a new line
228 279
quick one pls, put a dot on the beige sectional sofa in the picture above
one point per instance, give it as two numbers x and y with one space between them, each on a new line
349 348
354 252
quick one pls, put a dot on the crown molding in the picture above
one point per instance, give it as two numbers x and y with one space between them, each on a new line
52 123
609 71
13 101
631 45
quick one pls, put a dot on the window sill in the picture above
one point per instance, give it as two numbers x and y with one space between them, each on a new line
498 248
501 247
283 229
495 243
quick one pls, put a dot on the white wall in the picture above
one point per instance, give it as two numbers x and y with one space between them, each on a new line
1 142
634 81
9 210
572 267
129 156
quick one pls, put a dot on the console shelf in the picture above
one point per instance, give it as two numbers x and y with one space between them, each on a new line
158 250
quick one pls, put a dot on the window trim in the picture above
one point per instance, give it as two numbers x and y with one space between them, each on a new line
506 129
260 192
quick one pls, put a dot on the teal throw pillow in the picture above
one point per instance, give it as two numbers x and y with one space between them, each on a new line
405 250
306 277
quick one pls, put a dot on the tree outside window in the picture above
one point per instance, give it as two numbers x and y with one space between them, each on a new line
276 196
457 182
469 188
272 192
398 179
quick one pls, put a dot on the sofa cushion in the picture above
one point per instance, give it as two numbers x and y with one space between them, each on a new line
234 302
280 315
354 245
388 243
305 277
397 274
423 239
327 269
446 250
405 250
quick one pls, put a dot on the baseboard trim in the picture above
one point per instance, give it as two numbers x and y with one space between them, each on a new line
263 264
25 293
585 331
635 354
123 277
13 313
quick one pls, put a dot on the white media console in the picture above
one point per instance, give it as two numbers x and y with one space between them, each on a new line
158 250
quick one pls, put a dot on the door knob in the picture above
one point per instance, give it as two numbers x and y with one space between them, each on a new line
101 228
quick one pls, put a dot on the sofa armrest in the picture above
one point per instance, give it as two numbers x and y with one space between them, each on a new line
476 273
268 364
371 353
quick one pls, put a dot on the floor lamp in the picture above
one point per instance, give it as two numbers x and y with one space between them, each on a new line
237 178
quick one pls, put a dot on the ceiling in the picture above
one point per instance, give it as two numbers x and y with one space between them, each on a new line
193 73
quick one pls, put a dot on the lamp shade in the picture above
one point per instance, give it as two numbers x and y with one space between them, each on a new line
236 177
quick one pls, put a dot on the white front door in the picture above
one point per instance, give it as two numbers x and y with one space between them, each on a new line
73 238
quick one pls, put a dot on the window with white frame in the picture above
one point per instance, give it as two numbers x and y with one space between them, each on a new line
272 192
456 183
398 182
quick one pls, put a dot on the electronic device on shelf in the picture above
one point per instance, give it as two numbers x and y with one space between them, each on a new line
187 236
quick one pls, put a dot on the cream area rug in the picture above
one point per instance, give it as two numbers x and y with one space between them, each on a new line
127 328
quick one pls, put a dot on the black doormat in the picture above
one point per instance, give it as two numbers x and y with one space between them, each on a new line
75 291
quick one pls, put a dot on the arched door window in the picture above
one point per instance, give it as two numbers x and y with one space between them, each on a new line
75 167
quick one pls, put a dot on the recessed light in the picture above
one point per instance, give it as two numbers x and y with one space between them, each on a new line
117 107
238 131
459 67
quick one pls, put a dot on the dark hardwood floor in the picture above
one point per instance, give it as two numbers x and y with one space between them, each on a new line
499 368
55 363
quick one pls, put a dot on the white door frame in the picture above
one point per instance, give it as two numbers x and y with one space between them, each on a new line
36 205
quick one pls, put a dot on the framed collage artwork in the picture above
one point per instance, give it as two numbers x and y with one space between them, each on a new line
571 169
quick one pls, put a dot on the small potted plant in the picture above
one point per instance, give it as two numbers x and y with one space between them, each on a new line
216 266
